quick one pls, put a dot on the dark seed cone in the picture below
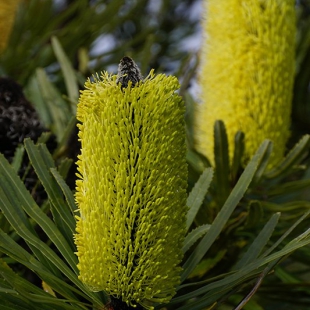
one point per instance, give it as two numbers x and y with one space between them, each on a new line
19 120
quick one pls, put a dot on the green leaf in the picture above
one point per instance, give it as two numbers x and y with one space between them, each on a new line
224 214
66 136
294 157
65 189
285 276
31 293
238 153
255 213
295 224
251 305
18 158
56 106
197 161
44 137
262 165
221 158
196 196
42 162
33 93
231 281
289 188
15 251
247 271
294 206
13 212
64 167
259 243
68 72
194 235
12 198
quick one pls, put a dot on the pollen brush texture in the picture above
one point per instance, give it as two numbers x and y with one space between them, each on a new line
247 73
132 188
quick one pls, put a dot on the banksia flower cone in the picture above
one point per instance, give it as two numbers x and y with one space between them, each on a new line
7 17
132 189
247 73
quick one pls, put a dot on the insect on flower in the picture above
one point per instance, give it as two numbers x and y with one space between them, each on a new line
128 71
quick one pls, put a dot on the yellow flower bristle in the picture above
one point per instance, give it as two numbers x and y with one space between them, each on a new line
132 189
248 60
7 18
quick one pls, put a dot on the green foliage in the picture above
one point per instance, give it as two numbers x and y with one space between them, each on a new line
55 264
247 242
262 213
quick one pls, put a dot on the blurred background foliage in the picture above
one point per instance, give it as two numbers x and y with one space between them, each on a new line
55 45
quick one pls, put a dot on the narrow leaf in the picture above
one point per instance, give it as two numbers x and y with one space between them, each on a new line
250 269
260 242
262 165
221 158
255 214
18 158
197 195
57 107
42 162
238 153
16 252
11 210
11 205
288 188
194 235
65 189
224 214
294 157
68 72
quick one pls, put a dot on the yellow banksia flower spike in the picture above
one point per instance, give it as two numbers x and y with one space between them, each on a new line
132 189
247 73
7 16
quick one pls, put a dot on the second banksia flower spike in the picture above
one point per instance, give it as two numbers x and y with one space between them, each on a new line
248 61
132 188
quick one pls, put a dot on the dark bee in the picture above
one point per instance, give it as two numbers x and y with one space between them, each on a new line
128 71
